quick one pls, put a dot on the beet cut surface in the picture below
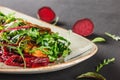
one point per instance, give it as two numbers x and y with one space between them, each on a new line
83 27
46 14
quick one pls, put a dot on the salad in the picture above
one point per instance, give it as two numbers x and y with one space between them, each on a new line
29 45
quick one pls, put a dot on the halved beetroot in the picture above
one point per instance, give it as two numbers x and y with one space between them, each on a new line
46 14
83 27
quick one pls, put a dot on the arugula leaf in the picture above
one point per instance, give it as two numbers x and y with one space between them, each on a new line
10 15
65 53
10 19
52 58
33 32
21 54
4 37
105 62
57 44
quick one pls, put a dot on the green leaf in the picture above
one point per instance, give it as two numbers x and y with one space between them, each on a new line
4 37
105 62
65 53
52 58
33 32
2 20
10 19
91 75
98 39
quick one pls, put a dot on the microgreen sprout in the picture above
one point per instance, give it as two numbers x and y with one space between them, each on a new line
56 21
117 38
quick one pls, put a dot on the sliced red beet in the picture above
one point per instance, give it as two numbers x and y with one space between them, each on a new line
13 60
83 27
46 14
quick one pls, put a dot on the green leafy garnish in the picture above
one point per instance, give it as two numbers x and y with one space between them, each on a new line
96 75
91 75
105 62
98 39
21 37
117 38
55 44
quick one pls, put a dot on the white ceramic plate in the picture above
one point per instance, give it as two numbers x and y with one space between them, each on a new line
81 47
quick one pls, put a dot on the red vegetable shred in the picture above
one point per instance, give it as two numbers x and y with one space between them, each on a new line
16 60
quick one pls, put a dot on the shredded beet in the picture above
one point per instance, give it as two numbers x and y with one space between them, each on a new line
46 14
13 59
83 27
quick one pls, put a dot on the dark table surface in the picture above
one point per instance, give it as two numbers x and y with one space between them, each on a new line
106 17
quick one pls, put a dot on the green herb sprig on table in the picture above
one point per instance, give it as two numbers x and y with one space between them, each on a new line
96 75
117 38
105 62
